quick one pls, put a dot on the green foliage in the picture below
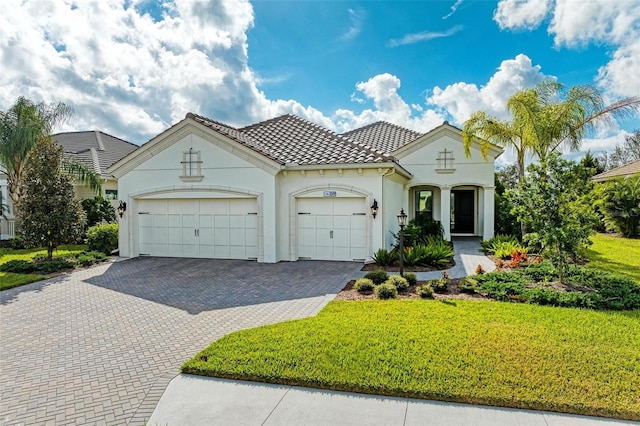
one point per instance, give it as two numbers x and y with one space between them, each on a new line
383 257
386 291
364 285
18 267
50 213
52 266
98 210
470 351
411 278
419 231
400 283
88 258
489 244
600 290
468 285
621 205
439 285
425 291
435 252
378 276
103 238
555 202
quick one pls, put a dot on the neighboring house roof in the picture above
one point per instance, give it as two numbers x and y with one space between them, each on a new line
96 149
291 140
625 170
383 136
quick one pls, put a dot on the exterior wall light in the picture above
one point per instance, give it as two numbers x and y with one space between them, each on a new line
122 207
374 208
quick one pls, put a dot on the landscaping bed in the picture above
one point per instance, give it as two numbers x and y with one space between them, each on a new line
452 292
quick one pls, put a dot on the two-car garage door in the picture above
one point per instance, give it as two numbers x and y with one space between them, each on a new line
209 228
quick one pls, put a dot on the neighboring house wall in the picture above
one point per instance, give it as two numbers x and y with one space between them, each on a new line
7 219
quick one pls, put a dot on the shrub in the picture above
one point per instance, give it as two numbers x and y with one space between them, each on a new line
103 238
439 285
480 270
411 277
517 257
386 291
55 266
468 285
98 210
18 267
364 285
504 249
383 257
17 243
425 291
378 277
434 253
399 282
490 244
88 258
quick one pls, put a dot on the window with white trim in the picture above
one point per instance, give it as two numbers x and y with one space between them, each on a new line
191 166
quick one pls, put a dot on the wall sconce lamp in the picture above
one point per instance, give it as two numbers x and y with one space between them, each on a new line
122 207
374 208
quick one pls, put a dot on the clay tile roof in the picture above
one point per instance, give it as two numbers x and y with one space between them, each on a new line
95 149
289 139
629 169
382 136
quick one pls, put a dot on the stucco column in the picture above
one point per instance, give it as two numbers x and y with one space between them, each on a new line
445 211
488 213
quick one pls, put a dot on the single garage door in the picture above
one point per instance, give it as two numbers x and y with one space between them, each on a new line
332 228
209 228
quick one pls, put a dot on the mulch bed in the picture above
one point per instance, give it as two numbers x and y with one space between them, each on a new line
374 267
349 293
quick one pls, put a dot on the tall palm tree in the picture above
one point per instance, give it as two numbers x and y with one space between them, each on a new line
544 118
21 127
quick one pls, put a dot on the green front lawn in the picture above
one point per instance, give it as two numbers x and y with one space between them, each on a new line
513 355
9 280
617 255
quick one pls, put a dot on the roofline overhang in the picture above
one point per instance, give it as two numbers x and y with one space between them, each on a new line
397 168
179 130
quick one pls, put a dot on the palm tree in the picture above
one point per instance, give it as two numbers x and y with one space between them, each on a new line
546 117
21 127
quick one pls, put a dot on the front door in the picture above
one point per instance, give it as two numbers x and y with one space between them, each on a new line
463 211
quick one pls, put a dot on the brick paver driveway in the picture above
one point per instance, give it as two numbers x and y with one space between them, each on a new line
99 346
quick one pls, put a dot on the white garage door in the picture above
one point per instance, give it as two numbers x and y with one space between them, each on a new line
209 228
332 228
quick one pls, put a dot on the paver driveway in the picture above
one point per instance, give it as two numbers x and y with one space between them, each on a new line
100 345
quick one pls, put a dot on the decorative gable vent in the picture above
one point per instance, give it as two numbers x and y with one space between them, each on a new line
445 162
191 166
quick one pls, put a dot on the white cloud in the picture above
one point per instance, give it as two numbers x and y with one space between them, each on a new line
461 99
423 36
87 54
454 8
526 14
356 19
382 90
576 23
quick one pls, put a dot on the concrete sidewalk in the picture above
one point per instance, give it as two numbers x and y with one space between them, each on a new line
193 400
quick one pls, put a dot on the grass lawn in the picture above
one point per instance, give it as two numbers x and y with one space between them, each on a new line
9 280
617 255
513 355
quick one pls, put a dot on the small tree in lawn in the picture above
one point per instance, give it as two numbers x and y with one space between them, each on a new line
555 200
51 215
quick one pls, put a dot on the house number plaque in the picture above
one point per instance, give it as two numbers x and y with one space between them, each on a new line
330 193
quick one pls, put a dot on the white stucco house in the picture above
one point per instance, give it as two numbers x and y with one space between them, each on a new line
287 189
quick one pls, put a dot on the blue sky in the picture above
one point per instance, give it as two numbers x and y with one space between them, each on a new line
132 68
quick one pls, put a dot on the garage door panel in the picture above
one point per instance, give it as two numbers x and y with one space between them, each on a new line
210 228
332 228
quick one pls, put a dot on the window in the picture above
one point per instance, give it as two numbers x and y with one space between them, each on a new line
111 194
424 202
445 162
191 166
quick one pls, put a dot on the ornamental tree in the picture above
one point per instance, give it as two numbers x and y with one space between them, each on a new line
556 202
621 205
51 215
